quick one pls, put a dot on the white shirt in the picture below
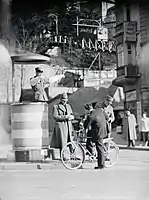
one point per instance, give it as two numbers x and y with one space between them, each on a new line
145 124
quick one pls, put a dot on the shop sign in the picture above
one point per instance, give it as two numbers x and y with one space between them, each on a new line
131 96
119 29
130 31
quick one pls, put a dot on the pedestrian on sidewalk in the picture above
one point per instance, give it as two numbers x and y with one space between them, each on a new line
63 115
145 128
129 127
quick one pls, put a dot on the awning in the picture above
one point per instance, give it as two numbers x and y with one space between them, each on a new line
118 106
30 58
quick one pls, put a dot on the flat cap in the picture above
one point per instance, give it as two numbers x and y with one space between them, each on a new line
127 109
64 96
109 98
39 69
88 107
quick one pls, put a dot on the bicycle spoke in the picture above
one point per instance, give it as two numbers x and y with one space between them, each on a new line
111 154
72 160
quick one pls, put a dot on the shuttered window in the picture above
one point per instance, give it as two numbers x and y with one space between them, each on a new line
120 55
143 23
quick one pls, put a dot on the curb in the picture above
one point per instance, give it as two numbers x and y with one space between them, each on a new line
138 148
52 164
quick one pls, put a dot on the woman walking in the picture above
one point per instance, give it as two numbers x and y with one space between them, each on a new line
129 127
145 128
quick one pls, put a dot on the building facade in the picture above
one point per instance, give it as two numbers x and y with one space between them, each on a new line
132 34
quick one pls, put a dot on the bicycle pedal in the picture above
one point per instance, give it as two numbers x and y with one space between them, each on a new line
91 159
107 159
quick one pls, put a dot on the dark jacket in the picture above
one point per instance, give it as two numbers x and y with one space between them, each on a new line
86 122
97 124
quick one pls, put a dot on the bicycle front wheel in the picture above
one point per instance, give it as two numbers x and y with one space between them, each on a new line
72 155
111 153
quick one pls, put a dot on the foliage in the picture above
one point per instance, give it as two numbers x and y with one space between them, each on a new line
31 31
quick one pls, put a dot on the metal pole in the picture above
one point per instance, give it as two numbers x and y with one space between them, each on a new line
77 26
93 61
99 60
13 83
56 20
99 64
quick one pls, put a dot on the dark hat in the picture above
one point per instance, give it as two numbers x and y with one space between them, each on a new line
88 106
109 98
39 69
94 104
127 109
64 96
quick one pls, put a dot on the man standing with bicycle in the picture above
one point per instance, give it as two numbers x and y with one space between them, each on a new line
98 130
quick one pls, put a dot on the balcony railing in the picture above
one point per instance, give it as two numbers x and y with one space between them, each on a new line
128 71
128 30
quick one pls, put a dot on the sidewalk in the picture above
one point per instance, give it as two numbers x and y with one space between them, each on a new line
122 143
8 165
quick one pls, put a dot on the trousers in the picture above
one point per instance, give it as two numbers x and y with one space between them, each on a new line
100 152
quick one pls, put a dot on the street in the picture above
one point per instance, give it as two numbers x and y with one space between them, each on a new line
127 180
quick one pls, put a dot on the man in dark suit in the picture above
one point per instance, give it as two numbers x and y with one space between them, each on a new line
97 127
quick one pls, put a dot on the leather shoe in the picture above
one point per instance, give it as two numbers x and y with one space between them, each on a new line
99 167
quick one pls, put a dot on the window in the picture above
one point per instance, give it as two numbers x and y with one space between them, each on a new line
128 13
145 101
129 51
120 55
143 23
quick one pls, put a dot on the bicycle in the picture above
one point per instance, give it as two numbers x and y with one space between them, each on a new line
73 154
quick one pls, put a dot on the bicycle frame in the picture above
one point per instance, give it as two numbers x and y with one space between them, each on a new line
105 140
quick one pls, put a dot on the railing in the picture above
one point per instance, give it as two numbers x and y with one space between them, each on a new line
121 71
128 29
128 71
102 45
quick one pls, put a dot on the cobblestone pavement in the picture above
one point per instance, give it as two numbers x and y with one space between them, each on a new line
127 180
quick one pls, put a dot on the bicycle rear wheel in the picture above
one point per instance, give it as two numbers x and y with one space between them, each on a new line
111 153
72 155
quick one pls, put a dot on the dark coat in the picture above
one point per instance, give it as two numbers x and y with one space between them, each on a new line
86 123
97 124
63 128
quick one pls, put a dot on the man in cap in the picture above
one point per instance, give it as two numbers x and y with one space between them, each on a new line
63 116
109 113
38 84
